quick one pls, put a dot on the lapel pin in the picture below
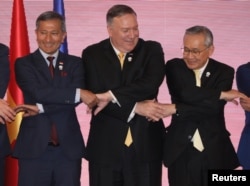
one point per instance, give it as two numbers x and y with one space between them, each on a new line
208 74
130 57
60 65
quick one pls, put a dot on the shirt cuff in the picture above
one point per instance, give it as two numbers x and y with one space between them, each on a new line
132 114
114 100
77 96
40 108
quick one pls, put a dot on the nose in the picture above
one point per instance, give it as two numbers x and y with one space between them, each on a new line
189 55
133 33
48 37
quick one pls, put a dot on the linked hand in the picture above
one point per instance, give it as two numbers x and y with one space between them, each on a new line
104 100
245 103
7 114
149 109
232 95
28 110
88 98
154 111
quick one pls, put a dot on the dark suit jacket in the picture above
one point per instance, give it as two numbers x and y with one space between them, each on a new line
57 96
142 74
243 84
4 80
199 107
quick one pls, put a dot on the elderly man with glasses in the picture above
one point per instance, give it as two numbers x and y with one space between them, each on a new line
197 139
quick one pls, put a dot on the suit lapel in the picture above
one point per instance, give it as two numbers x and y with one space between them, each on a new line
111 56
60 65
41 65
186 76
133 66
208 72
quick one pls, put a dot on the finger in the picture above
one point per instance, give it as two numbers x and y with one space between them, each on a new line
154 118
4 102
9 113
9 117
91 105
97 110
26 114
88 110
234 102
17 110
2 120
9 120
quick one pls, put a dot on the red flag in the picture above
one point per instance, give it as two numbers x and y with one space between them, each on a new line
19 46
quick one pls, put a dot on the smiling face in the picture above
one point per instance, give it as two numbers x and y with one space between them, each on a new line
50 35
196 53
124 32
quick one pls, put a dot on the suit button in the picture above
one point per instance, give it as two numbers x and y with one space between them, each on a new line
190 137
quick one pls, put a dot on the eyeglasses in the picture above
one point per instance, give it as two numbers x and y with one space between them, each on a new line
194 52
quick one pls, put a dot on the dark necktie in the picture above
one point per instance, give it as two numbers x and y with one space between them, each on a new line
51 67
53 136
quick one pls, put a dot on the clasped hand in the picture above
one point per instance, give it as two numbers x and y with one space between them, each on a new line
7 114
28 110
153 110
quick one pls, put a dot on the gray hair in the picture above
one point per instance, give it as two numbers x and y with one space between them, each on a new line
201 30
49 15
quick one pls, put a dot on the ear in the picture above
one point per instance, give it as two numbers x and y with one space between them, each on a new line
211 50
110 30
64 36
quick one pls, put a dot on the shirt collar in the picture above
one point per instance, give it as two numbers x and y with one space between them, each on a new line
45 55
115 49
203 68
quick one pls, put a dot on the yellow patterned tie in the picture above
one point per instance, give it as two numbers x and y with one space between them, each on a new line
197 77
121 58
196 137
197 143
128 140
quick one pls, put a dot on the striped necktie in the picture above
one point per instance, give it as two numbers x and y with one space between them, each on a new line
53 135
51 67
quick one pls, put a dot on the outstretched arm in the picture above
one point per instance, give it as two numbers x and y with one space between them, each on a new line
29 110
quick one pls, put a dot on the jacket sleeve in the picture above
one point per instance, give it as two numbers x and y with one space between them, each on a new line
36 90
4 69
243 78
197 102
144 85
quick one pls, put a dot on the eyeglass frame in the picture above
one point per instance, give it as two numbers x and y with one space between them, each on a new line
194 52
